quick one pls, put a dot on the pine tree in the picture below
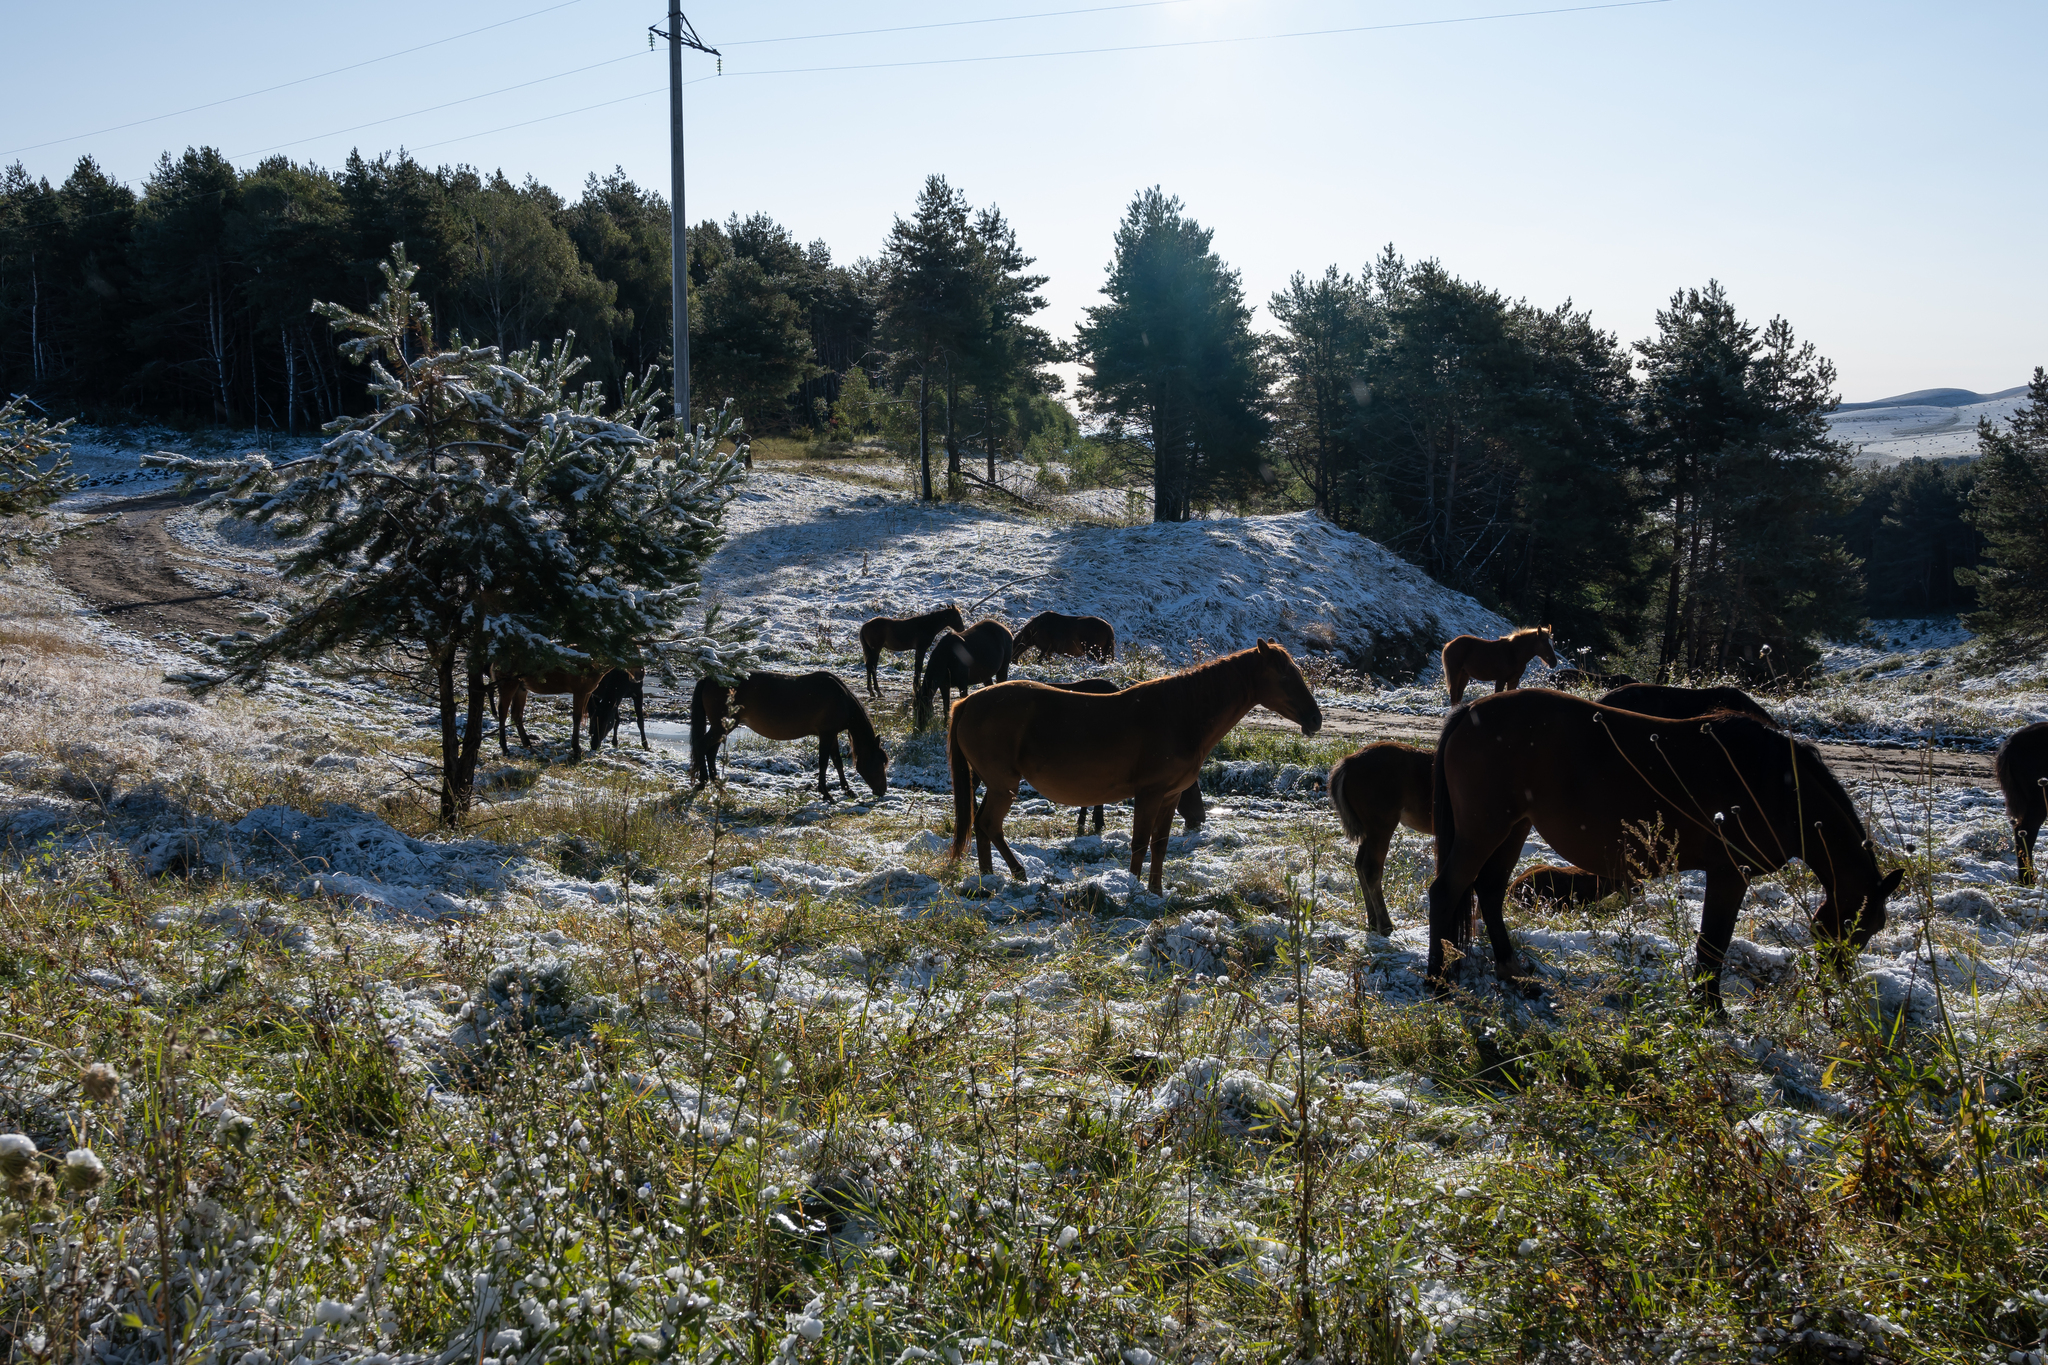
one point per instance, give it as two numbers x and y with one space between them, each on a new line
35 471
1738 449
1170 359
2009 508
1325 335
748 341
486 516
927 313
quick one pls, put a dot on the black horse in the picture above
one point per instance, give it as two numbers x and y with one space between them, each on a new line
982 655
608 702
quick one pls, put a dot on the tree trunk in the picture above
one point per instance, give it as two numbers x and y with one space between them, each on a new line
924 433
952 437
988 433
453 802
1667 649
1450 491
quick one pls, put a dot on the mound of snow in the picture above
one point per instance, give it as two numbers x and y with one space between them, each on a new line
817 558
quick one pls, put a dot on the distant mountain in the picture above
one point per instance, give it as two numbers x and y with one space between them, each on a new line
1934 398
1933 424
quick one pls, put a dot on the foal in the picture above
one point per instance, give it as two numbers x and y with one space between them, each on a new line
1499 662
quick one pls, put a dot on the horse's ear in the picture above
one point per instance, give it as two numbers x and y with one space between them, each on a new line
1891 882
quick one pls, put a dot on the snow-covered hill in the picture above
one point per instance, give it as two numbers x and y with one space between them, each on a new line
1932 424
817 557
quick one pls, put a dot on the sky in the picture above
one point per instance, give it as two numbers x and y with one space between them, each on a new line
1871 171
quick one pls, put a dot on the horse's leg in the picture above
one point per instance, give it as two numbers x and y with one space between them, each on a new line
988 829
1372 869
838 762
874 660
640 717
1162 829
1098 819
1492 889
1450 892
501 702
519 715
1725 886
825 748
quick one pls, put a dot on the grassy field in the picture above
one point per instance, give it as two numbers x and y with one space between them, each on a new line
256 1126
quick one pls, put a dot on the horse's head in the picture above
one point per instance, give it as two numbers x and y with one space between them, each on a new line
1853 907
951 617
1279 686
1543 649
874 769
1025 638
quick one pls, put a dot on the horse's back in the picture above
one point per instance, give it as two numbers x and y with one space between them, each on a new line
1684 703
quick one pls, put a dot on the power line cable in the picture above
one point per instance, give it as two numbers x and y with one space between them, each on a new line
302 80
1027 56
956 23
434 108
1202 42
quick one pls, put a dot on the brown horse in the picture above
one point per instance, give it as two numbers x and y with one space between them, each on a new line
1726 795
981 655
1077 637
1499 662
787 706
2022 768
607 704
1374 790
513 692
1681 703
1193 810
1146 743
898 633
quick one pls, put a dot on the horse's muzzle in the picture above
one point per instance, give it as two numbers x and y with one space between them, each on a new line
1313 721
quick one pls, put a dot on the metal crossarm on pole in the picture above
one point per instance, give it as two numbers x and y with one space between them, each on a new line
680 34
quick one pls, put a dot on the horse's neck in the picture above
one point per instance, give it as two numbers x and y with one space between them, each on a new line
1237 701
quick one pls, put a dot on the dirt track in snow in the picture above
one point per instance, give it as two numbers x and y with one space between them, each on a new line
129 570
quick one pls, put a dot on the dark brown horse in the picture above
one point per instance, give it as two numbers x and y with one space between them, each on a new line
787 706
1380 787
981 655
2022 768
1077 637
607 703
1679 703
1726 795
1499 662
898 633
578 687
1146 743
1193 810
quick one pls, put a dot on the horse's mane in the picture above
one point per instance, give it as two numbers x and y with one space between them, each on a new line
1526 631
1816 778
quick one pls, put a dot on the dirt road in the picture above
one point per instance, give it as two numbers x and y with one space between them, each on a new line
136 573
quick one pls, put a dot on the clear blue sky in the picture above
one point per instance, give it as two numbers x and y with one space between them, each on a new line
1872 171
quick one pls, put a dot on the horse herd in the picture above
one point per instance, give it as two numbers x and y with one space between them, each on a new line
1645 780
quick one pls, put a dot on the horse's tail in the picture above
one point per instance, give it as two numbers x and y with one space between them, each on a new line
700 734
1352 829
963 789
1454 684
1440 787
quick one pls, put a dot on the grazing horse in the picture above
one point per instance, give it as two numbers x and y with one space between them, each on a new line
513 692
2022 768
980 655
1386 785
1499 662
1682 703
1146 743
1374 790
787 706
620 686
898 633
1724 794
1077 637
1193 810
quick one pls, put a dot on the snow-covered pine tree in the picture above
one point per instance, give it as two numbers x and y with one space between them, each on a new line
488 517
26 488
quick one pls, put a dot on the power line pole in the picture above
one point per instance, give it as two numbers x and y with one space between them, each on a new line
680 34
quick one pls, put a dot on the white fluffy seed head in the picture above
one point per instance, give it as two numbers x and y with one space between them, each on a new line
83 1171
16 1152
